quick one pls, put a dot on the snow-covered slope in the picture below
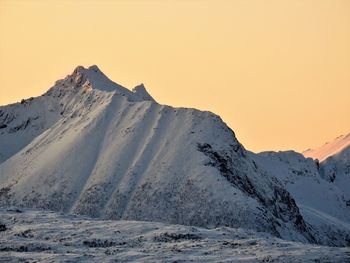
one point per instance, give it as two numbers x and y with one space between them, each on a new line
336 169
38 236
335 162
330 148
93 147
323 204
21 122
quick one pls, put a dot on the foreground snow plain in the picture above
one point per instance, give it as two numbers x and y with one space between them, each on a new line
42 236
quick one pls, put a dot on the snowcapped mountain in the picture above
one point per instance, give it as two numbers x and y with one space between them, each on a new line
324 204
73 95
336 169
335 162
320 184
329 149
90 146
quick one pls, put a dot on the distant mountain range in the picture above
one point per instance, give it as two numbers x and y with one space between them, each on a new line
90 146
329 149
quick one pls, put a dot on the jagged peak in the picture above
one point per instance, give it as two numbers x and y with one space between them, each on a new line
78 69
91 73
82 70
141 91
95 79
94 68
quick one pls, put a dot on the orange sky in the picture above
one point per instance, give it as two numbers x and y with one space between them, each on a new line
277 71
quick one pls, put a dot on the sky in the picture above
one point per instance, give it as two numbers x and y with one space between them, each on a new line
276 71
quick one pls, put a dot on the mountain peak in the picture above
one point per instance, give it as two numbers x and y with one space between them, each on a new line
81 68
93 74
87 71
141 91
94 68
94 79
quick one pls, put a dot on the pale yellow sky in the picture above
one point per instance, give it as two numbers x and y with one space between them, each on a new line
277 71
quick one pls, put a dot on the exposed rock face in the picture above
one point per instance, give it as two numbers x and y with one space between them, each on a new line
90 146
280 203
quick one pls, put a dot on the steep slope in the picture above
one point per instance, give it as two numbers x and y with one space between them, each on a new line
336 169
113 153
323 203
335 162
20 123
330 148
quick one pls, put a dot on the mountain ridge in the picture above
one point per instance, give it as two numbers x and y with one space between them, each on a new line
329 149
89 149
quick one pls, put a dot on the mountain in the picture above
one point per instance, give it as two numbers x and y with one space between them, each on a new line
329 149
335 162
336 169
90 146
323 203
69 96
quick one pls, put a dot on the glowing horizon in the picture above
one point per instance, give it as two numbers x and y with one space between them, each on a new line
277 72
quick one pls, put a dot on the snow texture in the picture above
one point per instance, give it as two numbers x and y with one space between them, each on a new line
41 236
